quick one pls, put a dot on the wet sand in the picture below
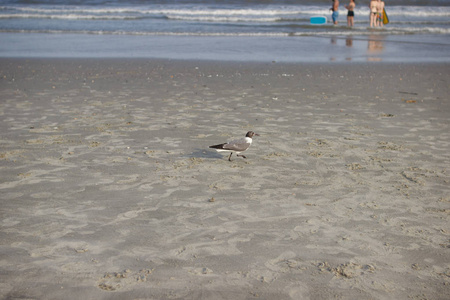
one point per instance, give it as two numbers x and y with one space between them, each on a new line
108 189
289 49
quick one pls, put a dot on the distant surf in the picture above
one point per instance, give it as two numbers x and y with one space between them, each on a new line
211 19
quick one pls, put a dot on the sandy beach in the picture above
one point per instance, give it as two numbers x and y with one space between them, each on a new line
108 189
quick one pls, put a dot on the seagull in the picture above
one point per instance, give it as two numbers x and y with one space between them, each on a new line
237 146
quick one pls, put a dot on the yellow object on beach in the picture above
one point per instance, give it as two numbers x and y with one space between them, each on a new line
385 17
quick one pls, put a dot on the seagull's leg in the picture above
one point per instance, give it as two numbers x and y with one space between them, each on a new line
229 157
241 155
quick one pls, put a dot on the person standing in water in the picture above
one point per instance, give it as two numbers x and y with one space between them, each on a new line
380 13
335 10
373 5
351 13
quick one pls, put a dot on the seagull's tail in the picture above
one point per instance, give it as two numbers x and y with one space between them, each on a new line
220 146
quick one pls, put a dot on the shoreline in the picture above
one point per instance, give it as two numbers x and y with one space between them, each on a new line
109 191
289 49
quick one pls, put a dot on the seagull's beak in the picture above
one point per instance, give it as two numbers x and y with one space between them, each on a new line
256 134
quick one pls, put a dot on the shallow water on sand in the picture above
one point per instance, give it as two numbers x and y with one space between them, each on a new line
263 49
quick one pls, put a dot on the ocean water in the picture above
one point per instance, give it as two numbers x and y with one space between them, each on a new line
83 27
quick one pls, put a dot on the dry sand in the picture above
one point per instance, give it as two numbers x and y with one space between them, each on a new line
109 191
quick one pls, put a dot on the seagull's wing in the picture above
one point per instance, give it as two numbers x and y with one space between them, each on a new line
237 145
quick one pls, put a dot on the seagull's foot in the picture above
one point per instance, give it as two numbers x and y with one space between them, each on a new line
243 156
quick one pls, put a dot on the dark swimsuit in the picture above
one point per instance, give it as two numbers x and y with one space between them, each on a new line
350 13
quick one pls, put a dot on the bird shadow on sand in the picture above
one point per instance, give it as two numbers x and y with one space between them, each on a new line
204 153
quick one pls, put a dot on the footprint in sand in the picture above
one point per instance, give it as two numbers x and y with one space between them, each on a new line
116 280
348 270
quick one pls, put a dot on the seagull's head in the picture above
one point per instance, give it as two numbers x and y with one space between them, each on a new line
250 134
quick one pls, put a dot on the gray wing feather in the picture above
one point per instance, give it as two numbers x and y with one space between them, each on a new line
237 145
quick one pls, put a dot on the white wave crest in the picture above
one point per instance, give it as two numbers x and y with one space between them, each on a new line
67 17
221 19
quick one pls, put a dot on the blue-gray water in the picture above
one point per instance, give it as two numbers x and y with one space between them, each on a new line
171 29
